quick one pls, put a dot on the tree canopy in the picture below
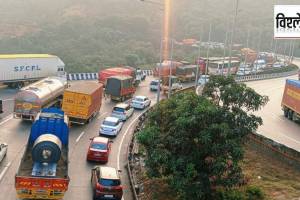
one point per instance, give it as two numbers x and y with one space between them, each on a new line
195 142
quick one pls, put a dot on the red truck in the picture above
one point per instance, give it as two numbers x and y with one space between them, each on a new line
115 71
291 100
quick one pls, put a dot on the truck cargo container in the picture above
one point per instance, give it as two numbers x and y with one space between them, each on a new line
44 93
115 71
43 170
164 69
187 73
291 100
120 88
82 101
18 69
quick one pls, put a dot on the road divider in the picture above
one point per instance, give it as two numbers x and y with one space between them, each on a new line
4 171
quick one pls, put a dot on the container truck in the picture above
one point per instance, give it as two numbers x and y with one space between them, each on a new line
115 71
186 73
164 69
19 69
175 85
291 100
120 88
44 93
43 170
82 101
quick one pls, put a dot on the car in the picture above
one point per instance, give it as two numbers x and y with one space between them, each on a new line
277 65
99 149
3 150
154 85
122 111
106 183
203 79
140 102
244 71
110 126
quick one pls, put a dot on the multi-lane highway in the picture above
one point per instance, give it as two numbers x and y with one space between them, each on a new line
15 133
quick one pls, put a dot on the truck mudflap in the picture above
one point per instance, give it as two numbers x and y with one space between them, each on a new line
40 187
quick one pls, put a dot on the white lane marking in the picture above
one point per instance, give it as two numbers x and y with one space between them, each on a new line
4 170
6 119
8 100
122 140
102 115
78 138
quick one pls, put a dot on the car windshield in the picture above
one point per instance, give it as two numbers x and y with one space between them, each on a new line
99 146
109 123
117 109
109 182
154 83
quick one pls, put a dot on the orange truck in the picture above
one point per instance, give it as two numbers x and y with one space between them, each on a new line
82 101
45 175
291 100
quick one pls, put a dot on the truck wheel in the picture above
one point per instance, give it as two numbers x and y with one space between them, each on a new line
20 85
285 112
290 115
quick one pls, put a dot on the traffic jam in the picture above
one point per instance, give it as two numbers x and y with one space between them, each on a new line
53 105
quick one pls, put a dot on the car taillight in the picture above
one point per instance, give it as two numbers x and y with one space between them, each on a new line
118 187
99 187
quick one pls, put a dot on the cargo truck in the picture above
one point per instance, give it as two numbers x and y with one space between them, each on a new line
82 101
175 84
120 88
42 94
187 73
43 170
291 100
19 69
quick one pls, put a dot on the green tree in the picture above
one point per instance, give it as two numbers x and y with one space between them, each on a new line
132 60
196 142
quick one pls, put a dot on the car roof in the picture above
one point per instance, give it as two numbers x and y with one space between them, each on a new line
121 105
109 173
100 139
111 119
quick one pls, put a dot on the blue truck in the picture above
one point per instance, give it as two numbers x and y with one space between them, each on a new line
43 171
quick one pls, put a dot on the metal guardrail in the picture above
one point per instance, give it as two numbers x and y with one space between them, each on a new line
264 76
94 75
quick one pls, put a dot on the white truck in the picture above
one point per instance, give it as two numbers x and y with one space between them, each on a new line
17 69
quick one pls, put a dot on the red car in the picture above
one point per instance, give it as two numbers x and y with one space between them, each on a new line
99 149
106 183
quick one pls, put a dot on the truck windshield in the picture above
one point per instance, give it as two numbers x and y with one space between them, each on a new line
109 182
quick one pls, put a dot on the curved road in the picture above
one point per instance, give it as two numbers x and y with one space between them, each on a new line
15 133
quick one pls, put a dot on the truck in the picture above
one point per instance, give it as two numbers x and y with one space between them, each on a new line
20 69
120 88
187 73
164 69
43 170
291 100
126 70
82 101
30 100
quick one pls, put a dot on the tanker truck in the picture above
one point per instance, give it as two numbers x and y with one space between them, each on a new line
43 170
42 94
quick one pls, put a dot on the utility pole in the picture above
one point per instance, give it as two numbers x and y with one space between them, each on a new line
171 67
207 53
232 35
224 52
198 59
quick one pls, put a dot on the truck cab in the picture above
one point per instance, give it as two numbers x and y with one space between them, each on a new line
175 84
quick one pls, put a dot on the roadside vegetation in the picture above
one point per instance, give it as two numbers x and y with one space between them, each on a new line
196 143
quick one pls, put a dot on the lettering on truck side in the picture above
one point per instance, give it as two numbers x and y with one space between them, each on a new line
27 68
293 94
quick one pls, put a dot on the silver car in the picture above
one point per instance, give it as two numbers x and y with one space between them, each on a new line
122 111
111 126
3 150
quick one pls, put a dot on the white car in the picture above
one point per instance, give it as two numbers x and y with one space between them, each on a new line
154 85
3 150
140 102
244 71
277 65
122 111
111 126
203 79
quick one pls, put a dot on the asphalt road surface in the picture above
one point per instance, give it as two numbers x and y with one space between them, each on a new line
15 133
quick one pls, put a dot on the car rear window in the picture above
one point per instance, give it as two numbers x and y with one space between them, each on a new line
100 146
109 182
109 123
117 109
139 99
